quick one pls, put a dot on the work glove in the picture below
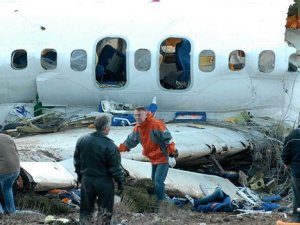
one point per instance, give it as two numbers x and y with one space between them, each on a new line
175 154
172 161
120 188
122 148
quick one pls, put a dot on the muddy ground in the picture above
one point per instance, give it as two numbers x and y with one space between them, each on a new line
166 216
125 213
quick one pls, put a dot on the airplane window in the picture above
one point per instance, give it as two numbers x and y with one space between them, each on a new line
207 61
266 61
174 63
110 68
78 60
236 60
142 59
19 59
294 62
49 59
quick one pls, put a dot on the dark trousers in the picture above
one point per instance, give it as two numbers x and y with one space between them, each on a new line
296 199
98 190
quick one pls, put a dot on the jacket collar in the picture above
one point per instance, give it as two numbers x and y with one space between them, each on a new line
148 118
98 133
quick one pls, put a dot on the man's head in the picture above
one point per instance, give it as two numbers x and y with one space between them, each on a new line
140 114
102 123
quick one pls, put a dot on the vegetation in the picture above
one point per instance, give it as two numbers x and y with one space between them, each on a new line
139 198
41 203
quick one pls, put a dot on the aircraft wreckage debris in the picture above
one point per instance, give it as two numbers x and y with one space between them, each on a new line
213 155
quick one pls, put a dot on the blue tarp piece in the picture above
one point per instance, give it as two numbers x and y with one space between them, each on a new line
122 120
73 194
216 202
267 206
217 196
272 198
223 206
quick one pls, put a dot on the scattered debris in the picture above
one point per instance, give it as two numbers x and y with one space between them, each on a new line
258 167
51 219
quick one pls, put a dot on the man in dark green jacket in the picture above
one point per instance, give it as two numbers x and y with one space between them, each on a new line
97 163
291 159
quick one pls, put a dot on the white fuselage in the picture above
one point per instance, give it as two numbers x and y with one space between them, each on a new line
219 26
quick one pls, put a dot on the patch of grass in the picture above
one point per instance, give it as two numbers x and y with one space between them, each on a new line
41 204
138 197
23 219
138 200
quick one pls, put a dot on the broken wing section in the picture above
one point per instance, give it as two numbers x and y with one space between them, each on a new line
178 182
182 182
194 141
44 176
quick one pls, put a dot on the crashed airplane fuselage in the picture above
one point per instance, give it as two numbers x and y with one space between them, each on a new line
221 68
80 56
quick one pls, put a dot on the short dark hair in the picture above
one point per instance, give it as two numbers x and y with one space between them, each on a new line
141 108
101 122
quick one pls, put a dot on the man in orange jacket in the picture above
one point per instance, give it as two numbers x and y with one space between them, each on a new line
157 144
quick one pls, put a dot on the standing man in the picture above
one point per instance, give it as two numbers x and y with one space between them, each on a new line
291 159
9 171
97 163
157 144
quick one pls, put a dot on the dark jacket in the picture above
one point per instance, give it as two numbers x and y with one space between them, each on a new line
9 156
97 155
291 152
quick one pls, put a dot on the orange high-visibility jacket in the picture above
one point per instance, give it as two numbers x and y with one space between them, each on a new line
155 138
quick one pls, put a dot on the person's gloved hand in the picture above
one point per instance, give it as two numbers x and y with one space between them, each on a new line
176 154
122 148
78 181
172 161
79 177
120 188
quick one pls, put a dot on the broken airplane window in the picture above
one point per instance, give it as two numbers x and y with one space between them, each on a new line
49 59
142 59
174 67
110 69
294 62
236 60
266 61
207 61
19 59
78 60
